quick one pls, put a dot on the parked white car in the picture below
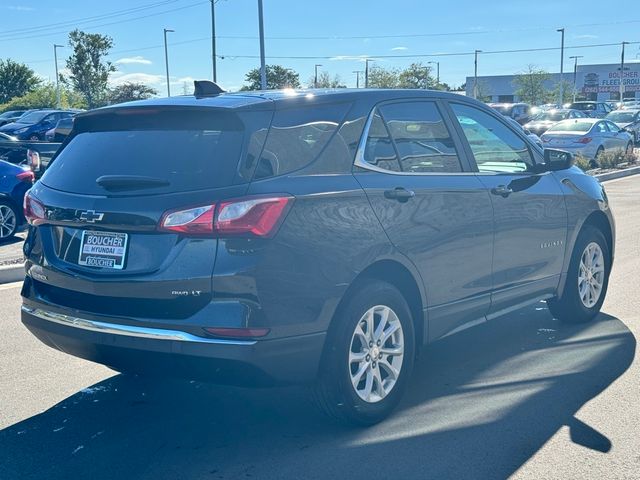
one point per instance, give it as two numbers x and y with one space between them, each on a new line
588 137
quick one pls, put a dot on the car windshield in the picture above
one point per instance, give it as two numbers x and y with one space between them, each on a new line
10 113
621 117
583 106
571 126
551 116
33 117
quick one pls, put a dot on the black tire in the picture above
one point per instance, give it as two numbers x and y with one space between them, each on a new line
629 149
595 163
333 392
35 138
569 308
4 234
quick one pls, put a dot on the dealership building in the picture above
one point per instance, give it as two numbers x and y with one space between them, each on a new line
593 82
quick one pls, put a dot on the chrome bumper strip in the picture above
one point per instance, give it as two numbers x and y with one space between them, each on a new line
128 330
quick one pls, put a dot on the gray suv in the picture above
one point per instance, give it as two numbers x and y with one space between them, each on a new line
320 237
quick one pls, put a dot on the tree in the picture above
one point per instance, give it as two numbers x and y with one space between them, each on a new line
530 86
567 92
130 91
277 77
89 72
383 78
16 80
416 75
326 81
44 96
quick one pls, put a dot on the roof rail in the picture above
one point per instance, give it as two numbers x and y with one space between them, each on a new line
206 88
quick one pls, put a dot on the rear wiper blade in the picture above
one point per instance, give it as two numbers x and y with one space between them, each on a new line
130 182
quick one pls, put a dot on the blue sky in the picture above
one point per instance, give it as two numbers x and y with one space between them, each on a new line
317 29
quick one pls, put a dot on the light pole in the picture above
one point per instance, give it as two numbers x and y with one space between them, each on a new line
475 74
622 72
166 59
55 58
263 67
213 39
357 72
575 73
561 88
315 78
366 72
437 72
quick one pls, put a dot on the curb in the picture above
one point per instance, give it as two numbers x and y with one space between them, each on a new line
620 174
12 273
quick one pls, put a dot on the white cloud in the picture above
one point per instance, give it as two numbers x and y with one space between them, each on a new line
20 8
360 58
397 49
585 37
118 78
133 60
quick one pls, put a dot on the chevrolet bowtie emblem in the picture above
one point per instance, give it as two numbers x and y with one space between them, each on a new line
90 216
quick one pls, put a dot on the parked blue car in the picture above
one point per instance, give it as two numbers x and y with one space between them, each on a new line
34 125
14 183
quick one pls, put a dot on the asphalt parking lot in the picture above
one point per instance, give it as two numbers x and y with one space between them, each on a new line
522 396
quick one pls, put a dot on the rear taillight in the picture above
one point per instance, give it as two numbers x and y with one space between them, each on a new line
258 217
34 211
248 217
33 159
584 140
26 176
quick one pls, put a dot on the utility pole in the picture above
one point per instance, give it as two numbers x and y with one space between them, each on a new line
263 67
55 58
357 72
561 87
475 74
366 72
166 59
575 73
315 78
213 39
437 71
622 72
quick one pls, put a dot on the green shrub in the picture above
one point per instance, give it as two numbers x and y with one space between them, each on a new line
583 162
611 159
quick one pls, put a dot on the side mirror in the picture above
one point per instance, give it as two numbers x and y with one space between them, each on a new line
557 160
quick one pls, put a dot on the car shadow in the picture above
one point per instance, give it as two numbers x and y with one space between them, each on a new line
481 404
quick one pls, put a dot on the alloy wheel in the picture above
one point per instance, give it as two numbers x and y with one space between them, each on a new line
591 275
376 353
8 221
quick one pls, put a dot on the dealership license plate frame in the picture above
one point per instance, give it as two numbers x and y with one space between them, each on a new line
109 261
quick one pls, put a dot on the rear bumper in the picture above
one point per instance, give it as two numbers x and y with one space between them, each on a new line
162 352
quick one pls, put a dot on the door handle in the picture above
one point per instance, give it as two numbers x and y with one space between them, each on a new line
399 193
502 190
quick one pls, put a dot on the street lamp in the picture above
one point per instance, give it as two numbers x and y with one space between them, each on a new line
561 88
213 38
575 73
263 67
475 74
166 59
622 72
315 78
55 58
366 72
357 72
437 72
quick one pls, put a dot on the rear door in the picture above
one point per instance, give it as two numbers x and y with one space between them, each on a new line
98 247
434 209
530 217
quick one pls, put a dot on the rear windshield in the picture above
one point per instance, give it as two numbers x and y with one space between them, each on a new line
583 106
551 116
185 159
571 126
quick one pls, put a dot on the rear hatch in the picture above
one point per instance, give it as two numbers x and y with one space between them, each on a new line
98 247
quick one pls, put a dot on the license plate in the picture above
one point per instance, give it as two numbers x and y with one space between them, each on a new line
103 249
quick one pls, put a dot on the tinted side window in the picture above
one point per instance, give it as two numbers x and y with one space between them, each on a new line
379 150
297 136
613 127
421 137
601 127
495 146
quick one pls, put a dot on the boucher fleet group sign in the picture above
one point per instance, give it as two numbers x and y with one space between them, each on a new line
607 79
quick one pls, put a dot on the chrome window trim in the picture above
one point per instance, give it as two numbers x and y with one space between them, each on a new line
127 330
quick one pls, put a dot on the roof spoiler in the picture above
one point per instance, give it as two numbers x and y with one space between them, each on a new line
206 88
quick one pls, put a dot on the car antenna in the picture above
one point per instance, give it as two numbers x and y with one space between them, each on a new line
206 88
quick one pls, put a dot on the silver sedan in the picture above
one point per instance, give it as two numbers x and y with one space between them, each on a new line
588 137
